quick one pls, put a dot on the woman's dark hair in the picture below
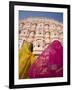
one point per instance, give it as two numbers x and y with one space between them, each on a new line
31 45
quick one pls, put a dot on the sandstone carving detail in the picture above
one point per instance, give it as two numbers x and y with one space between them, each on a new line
40 32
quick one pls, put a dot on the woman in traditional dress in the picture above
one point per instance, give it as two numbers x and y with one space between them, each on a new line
49 63
26 59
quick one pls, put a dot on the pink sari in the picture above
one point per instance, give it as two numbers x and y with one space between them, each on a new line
49 63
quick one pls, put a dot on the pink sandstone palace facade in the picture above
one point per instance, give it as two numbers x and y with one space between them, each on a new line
40 32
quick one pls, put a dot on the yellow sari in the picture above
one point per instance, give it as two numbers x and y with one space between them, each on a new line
26 59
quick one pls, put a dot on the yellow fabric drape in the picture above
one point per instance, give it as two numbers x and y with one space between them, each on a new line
26 59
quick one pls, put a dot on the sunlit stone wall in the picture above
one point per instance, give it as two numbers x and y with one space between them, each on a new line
40 32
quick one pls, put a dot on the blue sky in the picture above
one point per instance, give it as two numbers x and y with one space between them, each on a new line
52 15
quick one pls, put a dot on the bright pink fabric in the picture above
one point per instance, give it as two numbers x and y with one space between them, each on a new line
49 63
